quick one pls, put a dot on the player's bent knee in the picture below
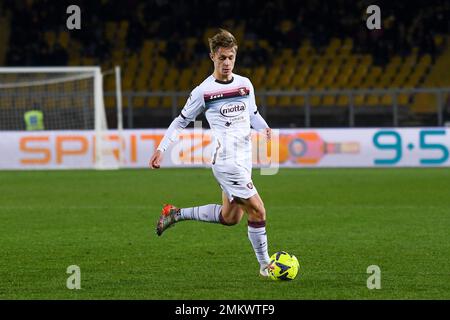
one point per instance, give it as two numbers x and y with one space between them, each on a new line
258 214
232 217
230 221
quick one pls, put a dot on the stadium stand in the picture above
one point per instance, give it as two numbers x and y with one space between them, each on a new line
284 45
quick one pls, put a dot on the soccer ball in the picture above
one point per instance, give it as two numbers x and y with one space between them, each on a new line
283 266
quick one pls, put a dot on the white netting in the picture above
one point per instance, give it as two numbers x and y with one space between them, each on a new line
66 99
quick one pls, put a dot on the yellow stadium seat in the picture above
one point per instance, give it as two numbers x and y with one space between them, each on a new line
298 81
373 100
270 84
366 60
424 103
185 80
329 100
312 81
403 99
87 61
317 70
259 72
263 43
376 72
138 102
425 60
399 80
259 100
273 73
356 81
166 102
332 71
271 101
395 61
298 100
285 101
287 54
386 100
153 102
320 63
155 84
341 81
284 81
347 46
321 84
315 100
359 100
384 82
332 47
181 101
110 102
438 40
302 71
342 101
109 83
305 49
169 79
63 39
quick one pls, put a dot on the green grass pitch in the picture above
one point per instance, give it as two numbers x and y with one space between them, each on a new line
336 221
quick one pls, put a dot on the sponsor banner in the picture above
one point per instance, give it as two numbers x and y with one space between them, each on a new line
386 147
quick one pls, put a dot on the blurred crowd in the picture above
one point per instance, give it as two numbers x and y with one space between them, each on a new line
405 25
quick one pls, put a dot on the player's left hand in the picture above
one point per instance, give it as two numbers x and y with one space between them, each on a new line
268 133
155 160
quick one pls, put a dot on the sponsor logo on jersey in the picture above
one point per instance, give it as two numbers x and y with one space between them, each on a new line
226 94
216 96
232 109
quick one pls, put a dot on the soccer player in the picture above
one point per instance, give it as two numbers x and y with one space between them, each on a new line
228 101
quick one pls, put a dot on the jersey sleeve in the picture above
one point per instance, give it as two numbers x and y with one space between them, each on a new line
195 105
256 120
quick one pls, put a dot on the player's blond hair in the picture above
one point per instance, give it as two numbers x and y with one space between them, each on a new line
222 39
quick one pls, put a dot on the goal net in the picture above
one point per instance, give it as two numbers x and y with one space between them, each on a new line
61 98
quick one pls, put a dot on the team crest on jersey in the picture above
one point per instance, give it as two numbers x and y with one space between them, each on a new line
232 109
250 185
242 91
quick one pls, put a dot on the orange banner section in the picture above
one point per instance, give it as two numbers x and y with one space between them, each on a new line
61 151
193 148
27 148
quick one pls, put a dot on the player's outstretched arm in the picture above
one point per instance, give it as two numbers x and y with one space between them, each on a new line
175 128
192 108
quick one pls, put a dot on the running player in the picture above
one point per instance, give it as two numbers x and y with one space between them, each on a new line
228 101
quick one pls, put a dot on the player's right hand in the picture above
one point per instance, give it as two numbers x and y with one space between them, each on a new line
155 160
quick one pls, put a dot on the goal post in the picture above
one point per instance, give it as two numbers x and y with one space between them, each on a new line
69 98
118 81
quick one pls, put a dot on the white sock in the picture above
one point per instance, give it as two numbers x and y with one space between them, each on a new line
258 237
208 213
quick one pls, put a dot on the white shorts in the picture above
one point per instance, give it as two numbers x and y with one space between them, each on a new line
235 182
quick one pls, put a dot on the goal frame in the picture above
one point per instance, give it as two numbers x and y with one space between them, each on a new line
100 123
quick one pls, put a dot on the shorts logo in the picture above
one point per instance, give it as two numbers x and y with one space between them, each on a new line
250 185
232 109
